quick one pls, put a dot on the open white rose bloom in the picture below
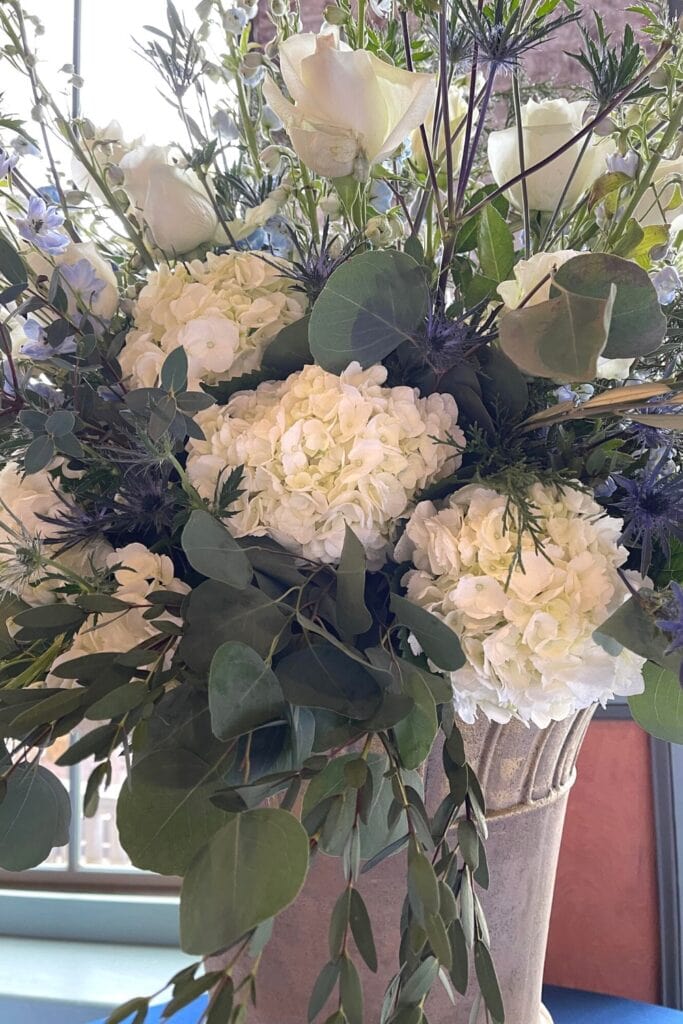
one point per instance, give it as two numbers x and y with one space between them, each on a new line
348 108
340 480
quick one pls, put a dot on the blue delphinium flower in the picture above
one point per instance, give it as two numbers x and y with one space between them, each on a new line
381 196
42 226
668 283
82 281
38 348
674 625
281 237
8 162
652 507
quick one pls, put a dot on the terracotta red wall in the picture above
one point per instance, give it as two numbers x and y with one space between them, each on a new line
604 930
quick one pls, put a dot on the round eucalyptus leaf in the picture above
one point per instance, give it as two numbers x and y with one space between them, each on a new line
637 325
370 304
165 814
35 815
214 552
249 871
243 691
659 709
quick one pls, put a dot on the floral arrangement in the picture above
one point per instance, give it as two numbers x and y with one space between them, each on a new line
350 416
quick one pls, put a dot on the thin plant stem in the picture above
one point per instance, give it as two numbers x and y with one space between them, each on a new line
586 130
361 25
526 215
565 190
445 112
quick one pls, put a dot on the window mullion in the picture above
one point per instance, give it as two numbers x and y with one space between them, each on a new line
75 832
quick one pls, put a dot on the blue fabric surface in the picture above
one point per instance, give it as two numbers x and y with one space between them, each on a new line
569 1007
566 1006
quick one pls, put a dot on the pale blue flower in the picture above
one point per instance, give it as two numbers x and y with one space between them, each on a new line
42 225
626 164
8 162
82 280
39 349
234 20
668 283
381 196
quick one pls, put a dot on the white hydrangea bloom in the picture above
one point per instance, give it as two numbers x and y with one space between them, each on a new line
321 452
223 311
23 500
137 572
529 644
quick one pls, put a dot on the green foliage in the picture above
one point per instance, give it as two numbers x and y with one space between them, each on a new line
249 871
213 552
659 709
370 304
243 691
35 814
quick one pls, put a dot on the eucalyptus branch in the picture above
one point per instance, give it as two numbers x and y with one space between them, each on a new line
587 129
517 101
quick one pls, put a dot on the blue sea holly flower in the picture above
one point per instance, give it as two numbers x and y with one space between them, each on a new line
8 162
653 508
41 226
674 625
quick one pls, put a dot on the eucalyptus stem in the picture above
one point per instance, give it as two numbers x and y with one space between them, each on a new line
361 25
565 190
587 129
517 102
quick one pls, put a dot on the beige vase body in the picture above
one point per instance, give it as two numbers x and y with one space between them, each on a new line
526 775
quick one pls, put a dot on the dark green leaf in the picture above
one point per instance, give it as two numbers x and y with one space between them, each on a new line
35 815
249 871
165 814
60 423
118 702
217 613
338 923
361 929
174 371
488 983
322 990
214 552
437 640
416 732
289 350
351 992
495 245
12 266
322 676
634 629
353 617
122 1013
423 886
243 691
39 454
419 983
370 304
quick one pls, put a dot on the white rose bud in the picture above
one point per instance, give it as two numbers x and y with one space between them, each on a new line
457 110
348 108
170 199
546 127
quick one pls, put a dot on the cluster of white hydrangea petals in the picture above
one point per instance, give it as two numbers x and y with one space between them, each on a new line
137 573
223 311
528 634
321 452
25 538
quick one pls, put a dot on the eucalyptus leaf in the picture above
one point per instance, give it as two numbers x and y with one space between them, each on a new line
289 351
39 454
249 871
164 814
12 266
637 325
562 338
35 815
322 676
496 247
416 732
635 629
436 639
212 550
361 929
369 305
488 982
353 616
243 691
659 709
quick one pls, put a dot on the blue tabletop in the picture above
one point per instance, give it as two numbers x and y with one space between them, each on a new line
567 1007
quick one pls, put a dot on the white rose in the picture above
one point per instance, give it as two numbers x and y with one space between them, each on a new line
349 109
457 109
105 149
547 126
170 199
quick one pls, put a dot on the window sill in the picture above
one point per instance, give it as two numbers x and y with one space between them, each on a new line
77 982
